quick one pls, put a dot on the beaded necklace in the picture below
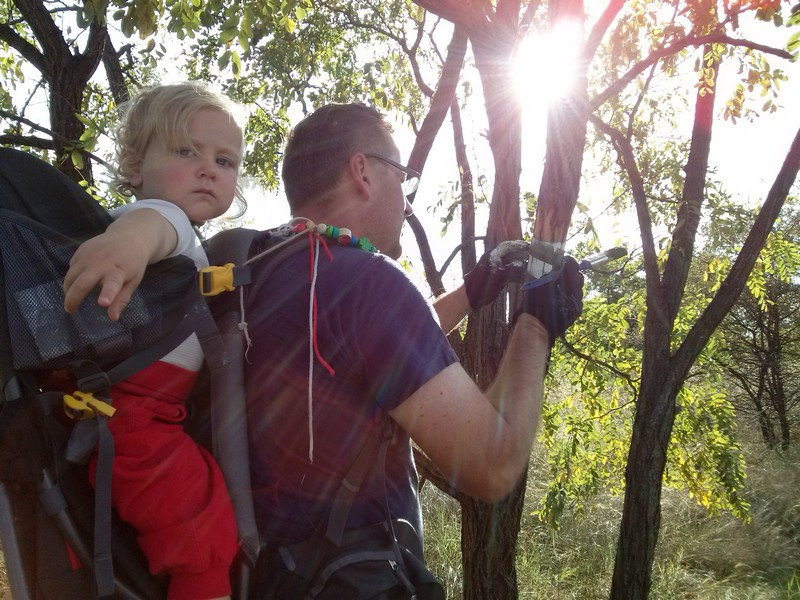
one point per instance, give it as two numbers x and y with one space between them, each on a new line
296 228
341 234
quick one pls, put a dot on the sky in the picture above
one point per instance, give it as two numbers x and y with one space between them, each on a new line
746 155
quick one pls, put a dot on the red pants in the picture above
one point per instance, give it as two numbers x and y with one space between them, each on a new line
168 487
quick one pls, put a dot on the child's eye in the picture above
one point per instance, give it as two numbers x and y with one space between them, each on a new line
225 162
184 151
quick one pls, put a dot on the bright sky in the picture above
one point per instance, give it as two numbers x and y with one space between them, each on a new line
747 155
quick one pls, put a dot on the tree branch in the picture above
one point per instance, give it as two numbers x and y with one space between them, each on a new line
440 104
732 286
650 257
44 144
28 141
468 15
28 51
681 251
639 67
600 27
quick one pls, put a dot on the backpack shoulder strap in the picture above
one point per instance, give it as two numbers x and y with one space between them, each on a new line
376 444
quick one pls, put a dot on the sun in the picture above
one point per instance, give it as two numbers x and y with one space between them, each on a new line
546 65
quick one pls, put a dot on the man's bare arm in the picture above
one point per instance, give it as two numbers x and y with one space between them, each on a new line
451 307
481 442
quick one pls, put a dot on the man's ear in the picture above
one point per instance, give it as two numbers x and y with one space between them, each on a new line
360 174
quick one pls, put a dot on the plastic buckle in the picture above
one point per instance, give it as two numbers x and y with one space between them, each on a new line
215 279
82 405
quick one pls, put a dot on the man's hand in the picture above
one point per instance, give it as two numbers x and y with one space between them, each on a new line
494 271
556 299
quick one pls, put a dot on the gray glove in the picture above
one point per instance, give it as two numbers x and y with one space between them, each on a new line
555 299
494 271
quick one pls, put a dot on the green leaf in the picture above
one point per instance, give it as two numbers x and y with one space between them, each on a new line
77 159
794 41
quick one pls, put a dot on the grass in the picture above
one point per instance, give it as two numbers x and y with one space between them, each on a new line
698 557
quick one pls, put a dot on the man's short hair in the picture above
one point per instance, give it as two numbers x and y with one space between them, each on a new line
319 147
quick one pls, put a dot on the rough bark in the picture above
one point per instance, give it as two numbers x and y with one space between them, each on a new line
66 73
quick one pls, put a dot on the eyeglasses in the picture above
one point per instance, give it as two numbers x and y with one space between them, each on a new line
410 179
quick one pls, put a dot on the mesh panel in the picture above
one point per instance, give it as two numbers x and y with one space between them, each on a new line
42 334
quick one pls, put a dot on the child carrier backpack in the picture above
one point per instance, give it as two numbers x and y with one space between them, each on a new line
60 538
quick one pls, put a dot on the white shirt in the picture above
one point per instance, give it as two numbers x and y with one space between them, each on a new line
189 354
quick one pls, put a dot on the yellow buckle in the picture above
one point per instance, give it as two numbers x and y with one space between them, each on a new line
87 406
215 280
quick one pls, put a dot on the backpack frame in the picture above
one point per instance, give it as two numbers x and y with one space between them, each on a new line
59 546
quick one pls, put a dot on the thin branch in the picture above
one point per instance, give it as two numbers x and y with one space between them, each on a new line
456 250
639 67
623 147
43 143
589 359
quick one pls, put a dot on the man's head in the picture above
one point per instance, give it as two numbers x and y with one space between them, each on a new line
341 160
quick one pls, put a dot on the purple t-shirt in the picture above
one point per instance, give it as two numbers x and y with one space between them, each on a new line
383 341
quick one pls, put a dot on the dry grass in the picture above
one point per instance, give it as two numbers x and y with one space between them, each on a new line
698 557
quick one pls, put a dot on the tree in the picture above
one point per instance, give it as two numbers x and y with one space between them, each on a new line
760 337
299 53
31 29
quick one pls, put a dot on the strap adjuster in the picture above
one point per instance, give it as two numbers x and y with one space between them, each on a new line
82 405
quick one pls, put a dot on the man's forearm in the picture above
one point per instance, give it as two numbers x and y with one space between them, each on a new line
518 388
451 308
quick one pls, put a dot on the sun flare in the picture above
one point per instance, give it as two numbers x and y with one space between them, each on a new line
546 65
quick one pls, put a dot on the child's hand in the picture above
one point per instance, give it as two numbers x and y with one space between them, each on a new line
116 265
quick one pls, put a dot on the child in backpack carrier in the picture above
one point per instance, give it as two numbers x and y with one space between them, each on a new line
179 149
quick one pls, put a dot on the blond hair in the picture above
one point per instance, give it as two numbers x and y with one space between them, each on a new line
164 112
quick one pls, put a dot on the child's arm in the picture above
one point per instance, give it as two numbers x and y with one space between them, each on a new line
116 260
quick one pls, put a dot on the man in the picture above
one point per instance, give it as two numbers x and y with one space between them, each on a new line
382 341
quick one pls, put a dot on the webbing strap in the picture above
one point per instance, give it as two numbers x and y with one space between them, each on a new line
379 438
103 564
229 435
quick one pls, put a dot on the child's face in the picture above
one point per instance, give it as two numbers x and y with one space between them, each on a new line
200 181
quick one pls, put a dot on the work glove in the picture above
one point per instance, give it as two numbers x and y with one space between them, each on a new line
494 271
555 299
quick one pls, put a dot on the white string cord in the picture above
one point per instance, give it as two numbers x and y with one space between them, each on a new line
311 354
284 230
243 323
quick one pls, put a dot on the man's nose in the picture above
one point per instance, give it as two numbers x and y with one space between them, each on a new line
409 210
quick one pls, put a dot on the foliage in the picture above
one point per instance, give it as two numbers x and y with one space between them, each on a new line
698 555
284 58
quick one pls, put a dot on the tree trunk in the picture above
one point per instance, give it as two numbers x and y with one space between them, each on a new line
488 545
661 376
647 457
778 395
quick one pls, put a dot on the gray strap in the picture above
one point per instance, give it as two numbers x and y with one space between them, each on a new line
377 441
